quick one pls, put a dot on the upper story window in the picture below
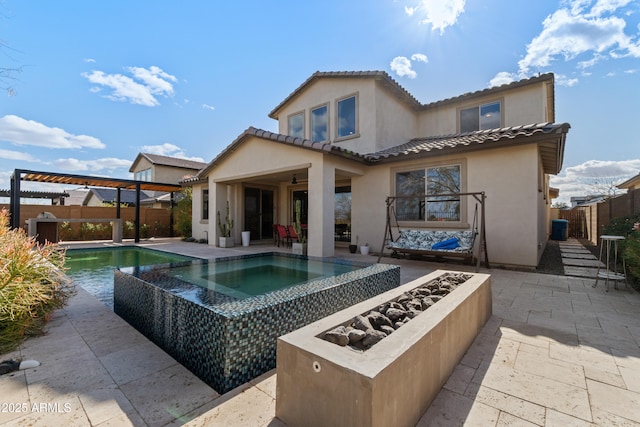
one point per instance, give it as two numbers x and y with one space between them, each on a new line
296 125
485 116
347 118
429 194
143 175
320 124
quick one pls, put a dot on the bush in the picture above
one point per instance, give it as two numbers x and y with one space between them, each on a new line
32 284
182 214
632 255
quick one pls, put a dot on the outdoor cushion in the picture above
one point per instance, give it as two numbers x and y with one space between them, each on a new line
451 243
424 240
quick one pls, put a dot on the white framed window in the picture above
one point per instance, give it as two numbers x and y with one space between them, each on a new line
429 194
320 123
481 117
143 175
347 117
296 125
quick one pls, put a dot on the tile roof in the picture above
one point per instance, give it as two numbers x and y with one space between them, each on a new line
109 195
274 137
490 91
550 135
551 150
402 93
381 76
178 162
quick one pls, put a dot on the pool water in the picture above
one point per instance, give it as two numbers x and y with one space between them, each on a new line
252 276
93 268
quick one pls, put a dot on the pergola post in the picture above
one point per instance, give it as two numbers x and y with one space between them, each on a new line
137 239
14 200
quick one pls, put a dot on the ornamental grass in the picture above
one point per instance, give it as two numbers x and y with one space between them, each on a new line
32 284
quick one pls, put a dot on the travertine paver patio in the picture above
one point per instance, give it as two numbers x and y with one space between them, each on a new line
556 352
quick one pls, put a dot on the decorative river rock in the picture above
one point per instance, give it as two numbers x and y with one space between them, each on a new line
366 330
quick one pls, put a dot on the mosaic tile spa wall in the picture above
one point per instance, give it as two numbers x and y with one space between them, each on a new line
227 343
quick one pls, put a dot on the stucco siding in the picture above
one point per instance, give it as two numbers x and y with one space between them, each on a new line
395 123
509 177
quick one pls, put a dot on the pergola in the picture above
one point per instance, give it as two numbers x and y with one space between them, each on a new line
84 180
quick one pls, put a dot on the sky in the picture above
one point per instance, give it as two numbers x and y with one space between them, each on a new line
86 86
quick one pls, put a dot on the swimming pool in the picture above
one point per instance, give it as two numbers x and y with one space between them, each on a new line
227 334
247 276
92 269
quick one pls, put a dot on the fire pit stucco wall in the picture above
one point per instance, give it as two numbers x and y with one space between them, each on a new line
228 343
394 382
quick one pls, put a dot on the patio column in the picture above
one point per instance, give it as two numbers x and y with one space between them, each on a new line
322 183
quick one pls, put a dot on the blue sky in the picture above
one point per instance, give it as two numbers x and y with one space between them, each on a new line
98 82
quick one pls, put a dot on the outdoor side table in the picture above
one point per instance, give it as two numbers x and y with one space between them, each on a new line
610 241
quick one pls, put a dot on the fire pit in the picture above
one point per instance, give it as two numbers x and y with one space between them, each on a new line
392 382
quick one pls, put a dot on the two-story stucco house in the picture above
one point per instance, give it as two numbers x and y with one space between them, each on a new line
167 169
360 137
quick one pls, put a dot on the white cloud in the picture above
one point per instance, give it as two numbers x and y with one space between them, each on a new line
563 80
502 78
573 31
419 57
402 66
208 107
170 150
107 163
90 60
19 131
593 177
17 155
141 89
440 14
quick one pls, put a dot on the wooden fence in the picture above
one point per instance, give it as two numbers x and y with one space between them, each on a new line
598 215
577 223
154 222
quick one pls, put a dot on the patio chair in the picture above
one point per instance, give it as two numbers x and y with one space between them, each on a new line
283 235
292 233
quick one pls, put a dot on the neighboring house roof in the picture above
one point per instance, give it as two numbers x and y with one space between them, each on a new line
551 136
403 94
177 162
633 182
162 198
109 195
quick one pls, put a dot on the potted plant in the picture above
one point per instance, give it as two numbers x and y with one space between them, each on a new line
364 249
225 240
353 248
299 247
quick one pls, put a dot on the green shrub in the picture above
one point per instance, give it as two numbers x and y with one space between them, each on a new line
182 214
32 284
632 255
621 226
128 229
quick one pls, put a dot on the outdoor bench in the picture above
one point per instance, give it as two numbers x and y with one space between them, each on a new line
435 242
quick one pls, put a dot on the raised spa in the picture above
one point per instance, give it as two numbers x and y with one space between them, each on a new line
221 319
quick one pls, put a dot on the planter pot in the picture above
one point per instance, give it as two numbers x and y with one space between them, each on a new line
246 237
299 248
353 248
364 250
226 242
